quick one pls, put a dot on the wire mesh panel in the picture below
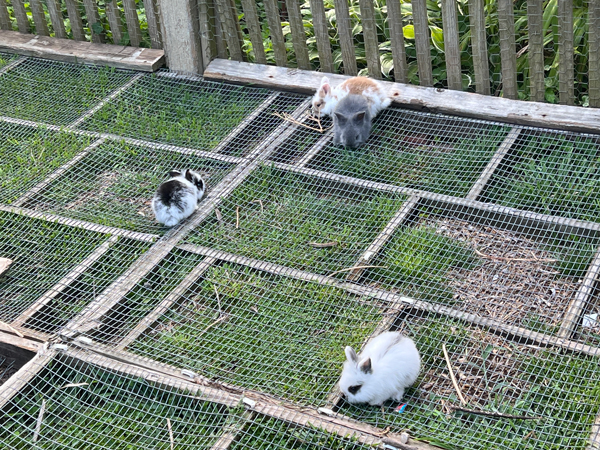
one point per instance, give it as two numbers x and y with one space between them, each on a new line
6 58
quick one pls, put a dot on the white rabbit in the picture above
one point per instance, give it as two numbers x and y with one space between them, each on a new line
177 198
326 98
388 364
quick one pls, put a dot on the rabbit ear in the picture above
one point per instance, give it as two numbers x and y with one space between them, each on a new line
174 173
325 88
340 117
365 366
189 175
359 117
351 354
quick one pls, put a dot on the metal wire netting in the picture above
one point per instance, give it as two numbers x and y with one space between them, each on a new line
475 236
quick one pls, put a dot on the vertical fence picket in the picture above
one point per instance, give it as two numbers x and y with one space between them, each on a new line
153 21
508 53
367 14
275 31
58 23
133 23
208 42
566 67
113 13
4 17
322 35
422 42
93 18
397 41
535 50
594 52
344 25
451 44
228 26
21 16
39 18
75 20
253 24
479 47
236 23
298 35
219 34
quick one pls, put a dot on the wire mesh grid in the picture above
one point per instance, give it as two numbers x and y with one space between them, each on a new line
427 229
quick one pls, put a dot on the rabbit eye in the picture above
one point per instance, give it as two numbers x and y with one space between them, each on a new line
354 389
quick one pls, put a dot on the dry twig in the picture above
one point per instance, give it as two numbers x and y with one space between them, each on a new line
171 434
38 425
14 330
492 414
356 267
452 377
220 319
237 217
218 300
262 209
503 258
288 117
323 245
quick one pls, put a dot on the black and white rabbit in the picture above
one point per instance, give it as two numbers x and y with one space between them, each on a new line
177 198
351 121
388 364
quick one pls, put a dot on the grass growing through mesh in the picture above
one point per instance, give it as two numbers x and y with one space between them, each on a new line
185 113
108 411
561 389
7 58
56 93
30 154
282 214
114 185
557 174
273 334
42 253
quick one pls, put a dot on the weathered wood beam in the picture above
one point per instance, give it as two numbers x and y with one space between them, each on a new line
181 40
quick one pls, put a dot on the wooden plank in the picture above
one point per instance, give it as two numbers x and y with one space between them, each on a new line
113 13
39 18
232 431
422 42
493 164
298 35
238 27
254 29
322 35
22 343
75 20
229 27
344 25
315 149
65 282
508 52
167 302
56 16
594 442
181 40
536 50
11 65
593 54
581 299
219 34
566 65
5 22
4 264
383 237
479 46
75 52
133 23
93 19
21 16
208 43
451 44
367 14
451 102
397 41
153 21
274 21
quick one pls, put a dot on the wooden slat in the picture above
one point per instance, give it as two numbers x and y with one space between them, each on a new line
5 263
367 15
315 149
56 16
451 102
493 164
65 282
422 42
5 23
75 20
254 29
536 50
479 46
133 23
208 42
451 44
91 11
298 35
67 50
21 16
566 67
594 442
153 21
276 32
346 40
508 52
594 54
22 343
219 34
11 65
113 13
168 301
228 23
233 431
39 18
322 35
181 40
397 41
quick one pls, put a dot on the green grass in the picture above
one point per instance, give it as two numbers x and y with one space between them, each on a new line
296 211
184 113
28 155
553 174
42 253
55 93
110 411
6 58
404 151
280 336
563 389
114 185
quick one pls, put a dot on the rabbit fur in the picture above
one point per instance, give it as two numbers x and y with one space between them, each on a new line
388 364
351 121
177 198
326 98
